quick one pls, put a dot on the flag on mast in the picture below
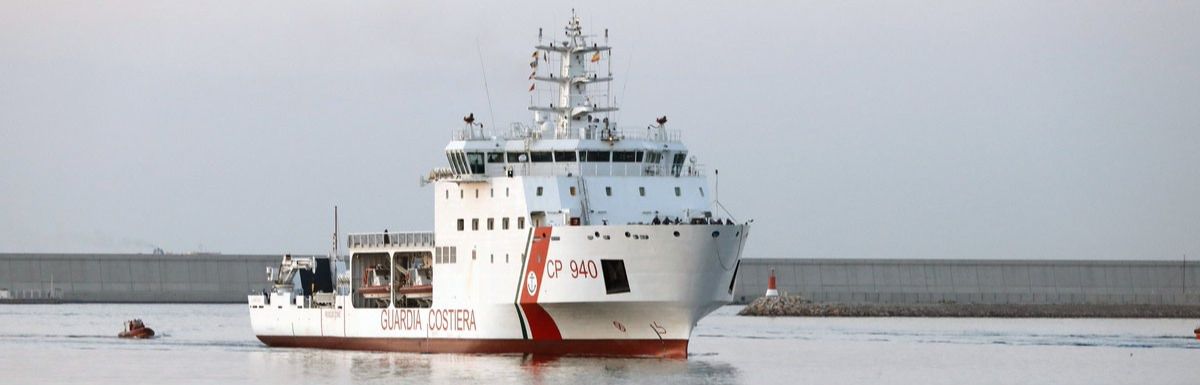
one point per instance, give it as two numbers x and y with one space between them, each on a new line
596 57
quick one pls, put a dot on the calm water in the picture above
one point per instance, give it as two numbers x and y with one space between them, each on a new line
213 344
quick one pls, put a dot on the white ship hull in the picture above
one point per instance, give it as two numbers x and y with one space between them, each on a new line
673 281
573 234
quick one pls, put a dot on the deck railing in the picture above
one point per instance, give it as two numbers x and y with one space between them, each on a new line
517 131
411 238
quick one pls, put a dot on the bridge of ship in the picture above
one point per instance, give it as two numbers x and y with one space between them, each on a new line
476 154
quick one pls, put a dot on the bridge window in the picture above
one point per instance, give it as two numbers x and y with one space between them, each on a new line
564 156
654 157
457 162
460 224
541 157
516 157
475 161
474 224
495 157
624 156
677 166
598 156
640 156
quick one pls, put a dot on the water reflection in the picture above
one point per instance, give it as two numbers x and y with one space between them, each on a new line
306 365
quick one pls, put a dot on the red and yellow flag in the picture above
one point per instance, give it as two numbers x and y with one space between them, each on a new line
596 57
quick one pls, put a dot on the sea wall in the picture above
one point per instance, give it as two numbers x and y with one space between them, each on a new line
186 278
229 277
796 306
932 281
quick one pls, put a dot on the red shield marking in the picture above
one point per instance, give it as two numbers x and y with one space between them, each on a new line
541 324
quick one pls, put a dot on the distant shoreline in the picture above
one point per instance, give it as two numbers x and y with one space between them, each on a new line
794 306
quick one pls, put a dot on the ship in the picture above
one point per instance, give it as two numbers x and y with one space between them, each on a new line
565 235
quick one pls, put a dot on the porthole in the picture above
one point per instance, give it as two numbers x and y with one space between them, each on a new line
676 234
716 234
626 234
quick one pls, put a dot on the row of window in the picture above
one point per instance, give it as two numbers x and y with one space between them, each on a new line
462 193
491 224
573 156
473 162
608 191
445 254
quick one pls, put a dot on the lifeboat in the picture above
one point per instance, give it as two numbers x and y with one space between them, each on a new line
136 329
416 291
376 292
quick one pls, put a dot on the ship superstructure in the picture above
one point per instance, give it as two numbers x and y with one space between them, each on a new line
568 235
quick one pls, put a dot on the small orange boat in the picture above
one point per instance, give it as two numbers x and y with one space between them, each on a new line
136 329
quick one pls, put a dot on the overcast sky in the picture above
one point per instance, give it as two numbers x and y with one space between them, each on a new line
845 129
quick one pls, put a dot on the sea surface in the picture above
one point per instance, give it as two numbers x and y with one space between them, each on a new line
76 344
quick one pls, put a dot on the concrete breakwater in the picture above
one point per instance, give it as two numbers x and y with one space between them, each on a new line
966 281
161 278
199 278
796 306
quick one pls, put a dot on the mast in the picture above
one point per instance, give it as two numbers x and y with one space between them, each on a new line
577 107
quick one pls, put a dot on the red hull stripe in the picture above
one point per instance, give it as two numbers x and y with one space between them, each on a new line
541 325
621 348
